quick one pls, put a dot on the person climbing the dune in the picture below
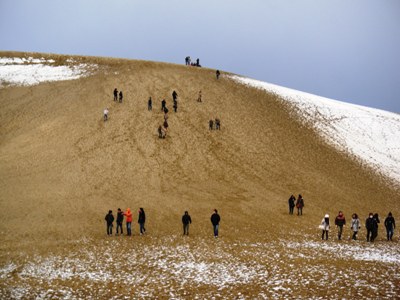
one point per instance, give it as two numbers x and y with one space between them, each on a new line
217 124
300 205
150 104
199 98
115 94
211 125
186 220
120 97
105 114
174 95
163 103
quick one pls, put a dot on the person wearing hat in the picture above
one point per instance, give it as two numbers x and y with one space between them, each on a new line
325 226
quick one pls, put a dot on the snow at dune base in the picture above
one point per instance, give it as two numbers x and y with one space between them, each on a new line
371 135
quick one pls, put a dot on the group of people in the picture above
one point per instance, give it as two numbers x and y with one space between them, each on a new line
299 203
120 218
217 123
118 98
186 221
163 129
371 225
188 62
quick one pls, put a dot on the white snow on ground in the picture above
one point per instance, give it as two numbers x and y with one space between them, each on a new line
371 135
31 71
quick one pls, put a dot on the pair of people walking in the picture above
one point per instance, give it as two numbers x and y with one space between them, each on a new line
299 204
118 96
215 219
340 221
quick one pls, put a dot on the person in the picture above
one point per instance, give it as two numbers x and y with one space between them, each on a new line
199 98
165 125
340 221
141 221
217 74
163 103
150 104
105 112
120 219
376 227
211 124
187 60
120 97
186 220
355 225
390 225
160 132
300 205
109 219
128 215
215 219
217 124
175 106
198 62
115 94
325 227
291 201
174 95
370 225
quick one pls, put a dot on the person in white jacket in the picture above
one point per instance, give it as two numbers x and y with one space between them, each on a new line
105 114
325 226
355 225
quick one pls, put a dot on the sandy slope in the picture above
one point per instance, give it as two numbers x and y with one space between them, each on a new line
62 167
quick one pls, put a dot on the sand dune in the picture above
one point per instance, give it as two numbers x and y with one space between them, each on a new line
62 167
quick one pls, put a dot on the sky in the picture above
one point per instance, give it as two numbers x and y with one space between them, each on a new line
340 49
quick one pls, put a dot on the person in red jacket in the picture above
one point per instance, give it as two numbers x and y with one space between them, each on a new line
128 215
340 221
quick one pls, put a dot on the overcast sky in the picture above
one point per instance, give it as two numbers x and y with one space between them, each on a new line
345 50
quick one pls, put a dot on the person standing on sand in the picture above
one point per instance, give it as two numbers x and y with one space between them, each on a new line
390 225
115 94
355 225
186 220
211 124
128 215
163 103
325 227
370 225
199 98
376 227
109 219
175 106
300 205
174 95
141 221
120 97
150 104
217 124
120 219
215 219
105 114
340 221
291 201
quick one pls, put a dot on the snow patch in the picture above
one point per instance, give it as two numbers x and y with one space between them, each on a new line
371 135
32 71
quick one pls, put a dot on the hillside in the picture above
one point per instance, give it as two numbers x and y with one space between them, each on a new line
63 167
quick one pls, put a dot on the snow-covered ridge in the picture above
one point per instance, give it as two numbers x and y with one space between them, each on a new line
31 71
371 135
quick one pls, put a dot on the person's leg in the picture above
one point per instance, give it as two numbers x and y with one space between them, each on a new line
340 230
327 234
184 229
387 233
323 233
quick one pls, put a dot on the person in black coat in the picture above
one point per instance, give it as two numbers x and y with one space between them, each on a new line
120 97
174 95
115 94
120 219
142 220
163 103
109 219
149 104
371 225
186 220
376 227
291 201
390 225
218 73
215 219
